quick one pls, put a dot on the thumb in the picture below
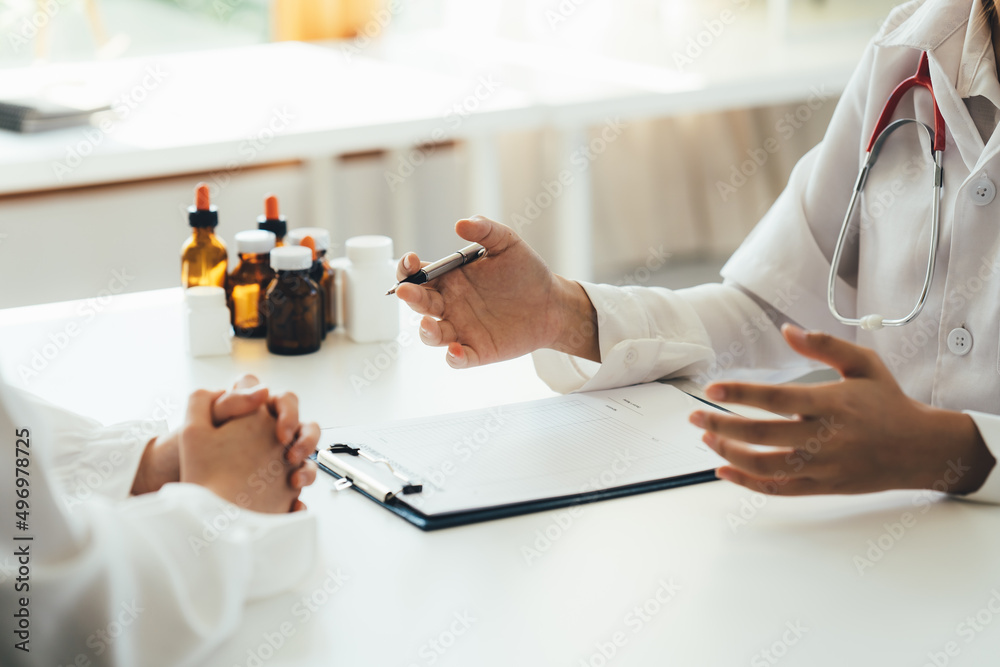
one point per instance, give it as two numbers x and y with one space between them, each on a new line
848 359
238 402
493 236
199 408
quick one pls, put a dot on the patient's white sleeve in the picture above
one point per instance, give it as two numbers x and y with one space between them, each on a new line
159 579
88 458
707 333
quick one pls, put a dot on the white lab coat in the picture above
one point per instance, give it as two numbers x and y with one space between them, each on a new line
780 272
159 579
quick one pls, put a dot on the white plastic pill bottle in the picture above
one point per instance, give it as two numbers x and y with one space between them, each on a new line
209 332
369 314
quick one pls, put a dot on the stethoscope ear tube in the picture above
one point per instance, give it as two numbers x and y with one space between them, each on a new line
874 321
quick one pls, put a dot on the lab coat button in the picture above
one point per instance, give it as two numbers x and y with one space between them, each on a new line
982 192
631 356
959 341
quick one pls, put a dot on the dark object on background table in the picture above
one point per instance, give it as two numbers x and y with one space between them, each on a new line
37 114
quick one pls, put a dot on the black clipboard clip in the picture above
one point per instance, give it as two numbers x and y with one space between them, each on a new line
375 476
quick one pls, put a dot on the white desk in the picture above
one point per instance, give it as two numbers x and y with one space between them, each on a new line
792 563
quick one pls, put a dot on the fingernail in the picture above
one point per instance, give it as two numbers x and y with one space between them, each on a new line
716 393
424 333
698 419
793 331
709 438
723 474
407 262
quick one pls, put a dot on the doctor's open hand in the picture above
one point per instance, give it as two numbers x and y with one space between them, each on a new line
503 306
857 435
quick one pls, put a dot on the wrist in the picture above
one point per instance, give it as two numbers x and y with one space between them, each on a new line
964 461
141 484
575 328
159 465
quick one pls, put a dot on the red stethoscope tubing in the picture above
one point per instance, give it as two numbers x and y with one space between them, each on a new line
921 78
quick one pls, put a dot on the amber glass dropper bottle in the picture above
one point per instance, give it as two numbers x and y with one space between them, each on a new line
272 221
203 256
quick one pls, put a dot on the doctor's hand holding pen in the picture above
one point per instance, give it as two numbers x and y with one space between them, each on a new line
245 424
872 436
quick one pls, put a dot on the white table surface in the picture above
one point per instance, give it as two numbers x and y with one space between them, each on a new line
792 563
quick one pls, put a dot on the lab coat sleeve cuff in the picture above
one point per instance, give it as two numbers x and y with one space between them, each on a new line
989 429
644 334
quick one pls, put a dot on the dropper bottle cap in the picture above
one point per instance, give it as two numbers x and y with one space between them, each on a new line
272 221
202 214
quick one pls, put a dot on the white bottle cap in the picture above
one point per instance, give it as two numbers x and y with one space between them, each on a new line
364 249
205 296
255 241
291 258
320 237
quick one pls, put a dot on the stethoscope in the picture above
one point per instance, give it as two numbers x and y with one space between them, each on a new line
882 131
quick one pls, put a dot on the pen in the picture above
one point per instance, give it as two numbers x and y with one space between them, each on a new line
436 269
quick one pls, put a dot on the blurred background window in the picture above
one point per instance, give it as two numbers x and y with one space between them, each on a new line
647 30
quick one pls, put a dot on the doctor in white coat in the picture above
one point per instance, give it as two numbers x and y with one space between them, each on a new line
174 536
918 406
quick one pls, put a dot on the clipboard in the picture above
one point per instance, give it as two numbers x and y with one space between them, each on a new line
379 473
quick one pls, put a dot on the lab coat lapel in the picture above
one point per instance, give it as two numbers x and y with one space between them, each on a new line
961 130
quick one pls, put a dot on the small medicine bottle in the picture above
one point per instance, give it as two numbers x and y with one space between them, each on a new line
203 256
247 284
370 315
294 306
208 330
272 221
321 273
